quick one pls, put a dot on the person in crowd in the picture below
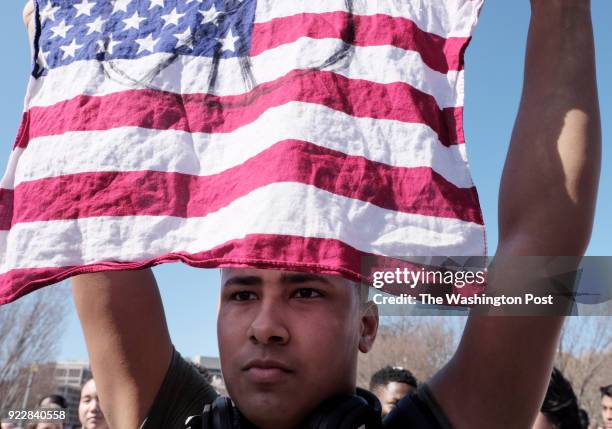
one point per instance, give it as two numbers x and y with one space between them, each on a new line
90 413
606 406
53 401
46 425
585 421
390 385
560 407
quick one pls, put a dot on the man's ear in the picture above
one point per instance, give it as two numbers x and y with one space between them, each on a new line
369 327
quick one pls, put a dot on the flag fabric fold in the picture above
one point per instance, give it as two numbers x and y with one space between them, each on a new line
301 135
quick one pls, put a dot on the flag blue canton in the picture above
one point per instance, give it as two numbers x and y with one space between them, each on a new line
127 29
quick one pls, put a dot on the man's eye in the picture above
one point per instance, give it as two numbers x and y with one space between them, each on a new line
243 296
307 293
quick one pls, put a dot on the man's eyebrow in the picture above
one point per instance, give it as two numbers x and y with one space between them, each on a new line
304 278
243 281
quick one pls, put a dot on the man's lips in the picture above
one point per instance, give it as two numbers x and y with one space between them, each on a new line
266 371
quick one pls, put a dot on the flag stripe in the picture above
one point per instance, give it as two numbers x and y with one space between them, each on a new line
416 190
438 53
203 113
451 18
273 251
183 75
393 143
279 208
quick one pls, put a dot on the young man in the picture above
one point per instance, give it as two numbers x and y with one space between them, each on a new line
560 407
390 385
288 341
606 406
90 412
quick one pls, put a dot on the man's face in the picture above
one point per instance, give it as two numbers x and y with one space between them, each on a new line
606 411
90 414
288 341
390 394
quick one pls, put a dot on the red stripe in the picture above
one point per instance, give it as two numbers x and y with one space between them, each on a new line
325 256
6 208
206 113
410 190
438 53
22 134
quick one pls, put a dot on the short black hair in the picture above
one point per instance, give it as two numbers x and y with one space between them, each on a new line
560 404
606 390
389 374
54 399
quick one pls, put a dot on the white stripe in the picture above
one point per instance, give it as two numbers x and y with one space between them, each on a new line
189 75
446 18
136 149
280 208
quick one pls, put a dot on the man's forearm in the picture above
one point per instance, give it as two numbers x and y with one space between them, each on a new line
547 202
127 339
552 170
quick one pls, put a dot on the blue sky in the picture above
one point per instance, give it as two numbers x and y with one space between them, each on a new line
493 84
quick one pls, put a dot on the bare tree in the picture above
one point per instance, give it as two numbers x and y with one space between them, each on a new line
420 344
30 330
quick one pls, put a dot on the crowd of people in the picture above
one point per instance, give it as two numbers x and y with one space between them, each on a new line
560 409
89 411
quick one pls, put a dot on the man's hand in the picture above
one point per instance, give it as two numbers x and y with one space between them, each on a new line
547 201
28 18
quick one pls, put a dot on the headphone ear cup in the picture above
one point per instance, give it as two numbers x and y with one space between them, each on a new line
221 415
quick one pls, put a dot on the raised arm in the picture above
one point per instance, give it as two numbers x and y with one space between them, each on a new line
547 199
123 320
127 339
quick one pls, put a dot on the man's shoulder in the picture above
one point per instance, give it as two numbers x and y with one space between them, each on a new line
184 392
419 410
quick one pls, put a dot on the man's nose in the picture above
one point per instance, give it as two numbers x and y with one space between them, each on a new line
269 326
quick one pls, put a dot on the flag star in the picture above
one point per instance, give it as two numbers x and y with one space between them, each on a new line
210 15
133 21
146 44
84 8
228 43
154 3
96 26
71 49
172 17
121 5
61 29
185 38
49 11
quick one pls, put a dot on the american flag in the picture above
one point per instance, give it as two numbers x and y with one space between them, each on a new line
288 134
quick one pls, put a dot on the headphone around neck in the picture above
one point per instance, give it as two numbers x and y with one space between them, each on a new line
360 411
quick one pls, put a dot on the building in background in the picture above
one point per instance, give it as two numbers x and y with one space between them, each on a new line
69 377
213 368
